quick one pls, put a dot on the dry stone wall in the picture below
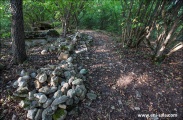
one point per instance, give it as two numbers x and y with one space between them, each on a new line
48 92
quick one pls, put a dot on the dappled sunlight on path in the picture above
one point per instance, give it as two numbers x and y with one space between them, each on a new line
126 82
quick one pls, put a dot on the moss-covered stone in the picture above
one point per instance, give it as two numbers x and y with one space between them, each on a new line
60 114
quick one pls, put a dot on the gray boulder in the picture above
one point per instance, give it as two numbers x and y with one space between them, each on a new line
71 93
22 82
57 94
41 97
47 113
54 81
31 113
60 100
45 90
43 78
33 75
38 114
47 103
77 82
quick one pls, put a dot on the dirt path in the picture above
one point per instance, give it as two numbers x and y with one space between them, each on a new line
127 83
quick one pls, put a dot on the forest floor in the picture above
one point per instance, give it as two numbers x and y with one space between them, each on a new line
126 81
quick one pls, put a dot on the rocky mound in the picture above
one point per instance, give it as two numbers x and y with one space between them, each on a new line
52 91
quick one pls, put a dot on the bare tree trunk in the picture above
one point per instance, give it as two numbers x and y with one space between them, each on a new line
17 32
175 48
164 43
66 20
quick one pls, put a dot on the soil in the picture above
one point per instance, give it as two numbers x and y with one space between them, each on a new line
126 81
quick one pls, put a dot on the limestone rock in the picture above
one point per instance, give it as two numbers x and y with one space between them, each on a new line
82 87
31 113
71 93
22 82
33 75
31 95
53 89
71 80
62 106
47 113
82 50
37 84
60 100
47 103
69 60
38 114
45 90
78 34
63 90
63 56
42 97
57 72
54 107
57 94
43 52
42 78
24 103
66 85
26 77
77 82
54 81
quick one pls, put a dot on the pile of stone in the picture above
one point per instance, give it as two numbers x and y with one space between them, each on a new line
73 44
48 92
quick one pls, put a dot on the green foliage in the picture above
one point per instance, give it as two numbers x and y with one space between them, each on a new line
101 14
6 35
5 22
157 22
58 114
37 11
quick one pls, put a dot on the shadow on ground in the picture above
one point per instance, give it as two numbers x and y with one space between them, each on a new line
128 83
